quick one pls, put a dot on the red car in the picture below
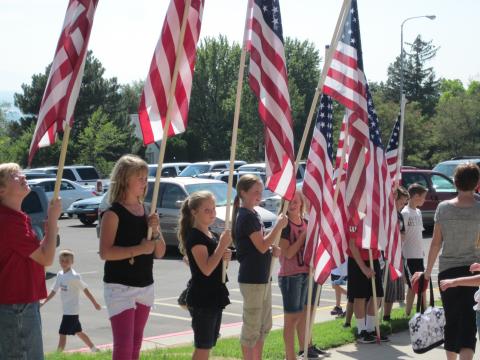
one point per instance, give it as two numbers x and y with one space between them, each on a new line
440 187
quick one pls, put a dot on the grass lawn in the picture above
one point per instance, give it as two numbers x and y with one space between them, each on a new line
326 335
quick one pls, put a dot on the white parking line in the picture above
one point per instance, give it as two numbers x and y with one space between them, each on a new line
171 316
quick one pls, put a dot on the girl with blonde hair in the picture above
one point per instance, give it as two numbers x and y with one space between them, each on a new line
207 295
128 255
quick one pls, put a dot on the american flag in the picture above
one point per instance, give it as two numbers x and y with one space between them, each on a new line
325 221
381 222
152 111
268 80
392 153
346 83
66 73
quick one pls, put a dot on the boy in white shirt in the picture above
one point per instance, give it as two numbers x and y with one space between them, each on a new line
412 248
70 283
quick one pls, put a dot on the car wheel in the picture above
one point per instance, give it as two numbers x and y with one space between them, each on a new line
86 220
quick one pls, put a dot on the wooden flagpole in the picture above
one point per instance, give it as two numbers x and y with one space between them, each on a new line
233 146
168 120
318 91
61 160
374 295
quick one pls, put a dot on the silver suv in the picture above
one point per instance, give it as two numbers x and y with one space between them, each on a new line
448 167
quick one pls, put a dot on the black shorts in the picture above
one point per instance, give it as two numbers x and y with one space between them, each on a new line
70 325
359 286
206 326
410 267
458 302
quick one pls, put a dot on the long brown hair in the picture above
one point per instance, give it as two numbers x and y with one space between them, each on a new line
244 184
185 222
124 168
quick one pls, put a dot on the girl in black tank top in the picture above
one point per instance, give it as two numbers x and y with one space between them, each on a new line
128 255
207 294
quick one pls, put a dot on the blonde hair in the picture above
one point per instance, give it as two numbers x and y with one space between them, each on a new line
66 253
245 183
6 170
185 222
125 167
302 206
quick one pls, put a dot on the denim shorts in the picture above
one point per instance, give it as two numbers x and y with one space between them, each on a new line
21 331
206 326
294 292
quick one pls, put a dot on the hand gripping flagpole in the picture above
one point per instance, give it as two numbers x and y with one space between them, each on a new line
168 120
233 145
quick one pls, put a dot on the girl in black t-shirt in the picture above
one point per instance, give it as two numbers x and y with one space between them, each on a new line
254 256
128 255
207 295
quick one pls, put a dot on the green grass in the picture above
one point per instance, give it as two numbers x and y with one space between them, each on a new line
326 335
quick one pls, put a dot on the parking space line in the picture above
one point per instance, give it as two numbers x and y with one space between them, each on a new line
170 316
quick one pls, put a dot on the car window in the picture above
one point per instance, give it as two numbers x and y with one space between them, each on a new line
219 190
47 186
171 195
219 167
442 184
410 178
66 186
447 169
168 172
194 169
68 174
32 204
148 197
86 174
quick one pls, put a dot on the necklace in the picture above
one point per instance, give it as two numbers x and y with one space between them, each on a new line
135 209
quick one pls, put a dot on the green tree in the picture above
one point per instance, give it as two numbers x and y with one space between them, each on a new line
101 142
420 84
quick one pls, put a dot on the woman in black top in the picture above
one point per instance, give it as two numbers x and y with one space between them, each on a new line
207 295
128 255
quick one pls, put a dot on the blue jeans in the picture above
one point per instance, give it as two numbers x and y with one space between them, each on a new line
294 292
21 332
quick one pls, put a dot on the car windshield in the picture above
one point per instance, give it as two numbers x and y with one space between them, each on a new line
219 190
195 169
152 171
446 169
442 184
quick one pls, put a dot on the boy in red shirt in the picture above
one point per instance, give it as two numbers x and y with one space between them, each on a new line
22 261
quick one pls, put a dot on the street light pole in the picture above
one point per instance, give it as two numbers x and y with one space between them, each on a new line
402 93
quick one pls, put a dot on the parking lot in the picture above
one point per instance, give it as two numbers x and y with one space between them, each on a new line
170 275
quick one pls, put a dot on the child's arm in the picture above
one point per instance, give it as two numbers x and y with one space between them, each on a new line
290 251
51 295
462 281
92 299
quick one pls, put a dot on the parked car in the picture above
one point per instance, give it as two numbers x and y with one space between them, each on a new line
440 187
223 175
173 192
448 167
82 174
86 210
35 205
201 167
32 174
69 190
261 167
168 169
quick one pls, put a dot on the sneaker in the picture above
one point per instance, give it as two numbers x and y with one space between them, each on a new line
311 354
94 349
347 325
365 338
387 318
383 338
319 351
342 315
337 310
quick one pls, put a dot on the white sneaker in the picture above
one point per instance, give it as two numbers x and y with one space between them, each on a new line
94 349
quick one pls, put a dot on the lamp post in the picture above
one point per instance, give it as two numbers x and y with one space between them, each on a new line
402 53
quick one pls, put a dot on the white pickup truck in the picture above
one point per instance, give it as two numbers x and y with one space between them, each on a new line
82 174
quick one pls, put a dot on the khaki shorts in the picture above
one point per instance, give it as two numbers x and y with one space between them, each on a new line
257 313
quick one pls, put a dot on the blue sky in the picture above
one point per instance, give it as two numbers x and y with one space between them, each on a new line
125 33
